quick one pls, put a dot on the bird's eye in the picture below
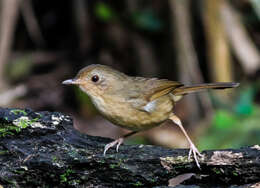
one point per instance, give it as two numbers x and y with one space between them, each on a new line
95 78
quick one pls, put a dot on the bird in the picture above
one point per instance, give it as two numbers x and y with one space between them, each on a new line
137 103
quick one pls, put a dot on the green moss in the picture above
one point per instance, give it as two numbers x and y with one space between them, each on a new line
216 170
102 161
8 129
112 166
27 123
138 184
54 159
23 123
116 164
64 177
17 126
18 111
74 182
176 160
20 172
39 115
4 152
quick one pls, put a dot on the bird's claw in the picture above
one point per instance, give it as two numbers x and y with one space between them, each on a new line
117 142
195 152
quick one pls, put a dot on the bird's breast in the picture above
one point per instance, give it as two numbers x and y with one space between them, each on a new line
123 114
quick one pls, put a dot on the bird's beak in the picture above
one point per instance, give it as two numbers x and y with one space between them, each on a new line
71 82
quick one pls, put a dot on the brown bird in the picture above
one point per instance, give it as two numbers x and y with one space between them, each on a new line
136 103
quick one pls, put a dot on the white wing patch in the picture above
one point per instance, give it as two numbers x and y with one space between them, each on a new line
150 107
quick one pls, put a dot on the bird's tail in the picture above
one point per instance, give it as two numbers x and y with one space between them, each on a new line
199 87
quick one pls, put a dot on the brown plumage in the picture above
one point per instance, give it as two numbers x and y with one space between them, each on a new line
136 103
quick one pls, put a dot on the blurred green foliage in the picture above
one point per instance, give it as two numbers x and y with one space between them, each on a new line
256 7
233 129
232 125
19 68
245 105
230 130
147 20
104 12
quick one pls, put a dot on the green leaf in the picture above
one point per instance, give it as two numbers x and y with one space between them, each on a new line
104 12
231 130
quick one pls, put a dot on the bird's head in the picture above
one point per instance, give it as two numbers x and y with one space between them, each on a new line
98 80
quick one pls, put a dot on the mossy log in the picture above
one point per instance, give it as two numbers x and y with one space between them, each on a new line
41 149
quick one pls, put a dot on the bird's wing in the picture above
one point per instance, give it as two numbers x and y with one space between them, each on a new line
148 90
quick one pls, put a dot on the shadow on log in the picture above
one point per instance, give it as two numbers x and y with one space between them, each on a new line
41 149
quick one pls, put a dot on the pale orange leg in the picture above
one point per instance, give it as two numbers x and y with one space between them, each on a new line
193 149
117 142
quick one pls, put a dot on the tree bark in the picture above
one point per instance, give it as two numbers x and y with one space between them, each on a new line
41 149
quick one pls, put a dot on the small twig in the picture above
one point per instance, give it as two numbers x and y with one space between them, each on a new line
27 158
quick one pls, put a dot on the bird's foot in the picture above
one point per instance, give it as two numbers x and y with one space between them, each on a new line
117 142
195 152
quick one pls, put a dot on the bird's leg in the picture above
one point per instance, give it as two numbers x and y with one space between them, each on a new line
118 142
193 149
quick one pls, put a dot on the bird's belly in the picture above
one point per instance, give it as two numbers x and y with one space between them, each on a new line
124 115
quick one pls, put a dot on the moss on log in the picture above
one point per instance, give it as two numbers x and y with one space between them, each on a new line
41 149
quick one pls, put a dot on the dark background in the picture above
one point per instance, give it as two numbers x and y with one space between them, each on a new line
43 43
